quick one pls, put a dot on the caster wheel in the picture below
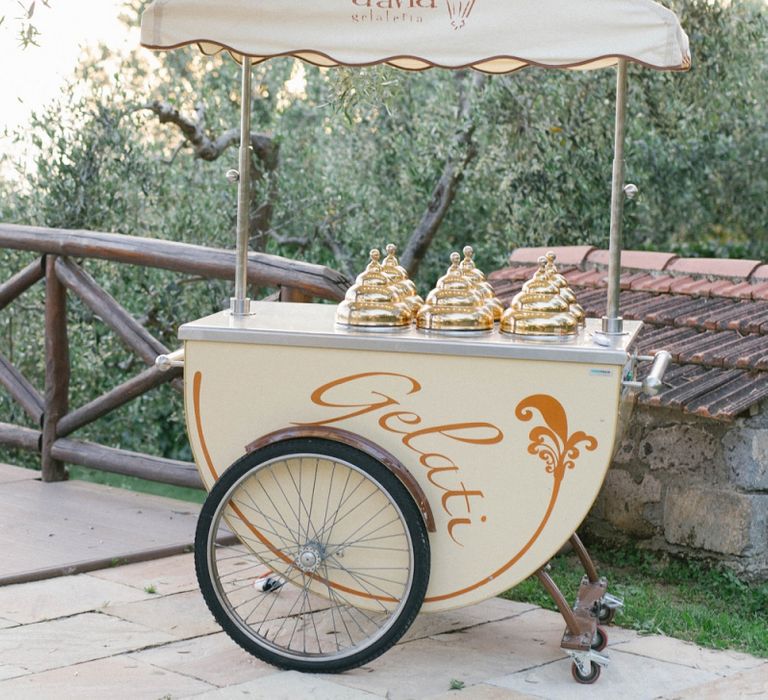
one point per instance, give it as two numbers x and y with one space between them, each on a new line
600 640
606 615
591 677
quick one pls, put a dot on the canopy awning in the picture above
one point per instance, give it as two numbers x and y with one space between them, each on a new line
495 36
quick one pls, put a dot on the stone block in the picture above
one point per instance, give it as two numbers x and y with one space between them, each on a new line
714 519
746 454
681 447
624 502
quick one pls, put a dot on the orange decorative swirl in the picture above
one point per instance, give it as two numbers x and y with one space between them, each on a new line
552 442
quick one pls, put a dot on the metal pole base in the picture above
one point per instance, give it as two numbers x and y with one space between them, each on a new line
613 325
240 307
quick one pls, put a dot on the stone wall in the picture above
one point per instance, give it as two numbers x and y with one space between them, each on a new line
690 486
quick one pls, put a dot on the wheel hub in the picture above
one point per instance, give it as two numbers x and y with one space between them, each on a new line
309 559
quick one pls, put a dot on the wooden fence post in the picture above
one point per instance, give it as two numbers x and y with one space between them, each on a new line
56 369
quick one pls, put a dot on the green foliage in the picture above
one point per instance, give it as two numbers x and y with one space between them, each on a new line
361 152
663 595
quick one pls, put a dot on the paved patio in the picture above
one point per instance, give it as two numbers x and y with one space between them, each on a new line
142 630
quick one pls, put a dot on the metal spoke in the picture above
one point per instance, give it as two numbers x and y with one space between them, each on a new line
284 585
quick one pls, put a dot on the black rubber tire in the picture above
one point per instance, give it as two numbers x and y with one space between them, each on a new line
600 640
605 615
387 482
590 678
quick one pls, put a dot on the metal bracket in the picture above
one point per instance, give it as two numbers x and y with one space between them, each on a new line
654 382
172 359
584 659
612 601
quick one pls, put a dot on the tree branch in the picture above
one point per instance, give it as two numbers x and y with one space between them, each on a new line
464 150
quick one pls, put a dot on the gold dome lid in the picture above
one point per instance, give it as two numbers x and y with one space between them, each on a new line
539 309
398 278
565 291
481 284
454 305
373 302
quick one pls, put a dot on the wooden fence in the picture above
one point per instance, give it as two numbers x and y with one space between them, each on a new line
296 281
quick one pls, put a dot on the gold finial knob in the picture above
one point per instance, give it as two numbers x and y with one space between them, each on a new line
455 260
399 280
375 256
469 252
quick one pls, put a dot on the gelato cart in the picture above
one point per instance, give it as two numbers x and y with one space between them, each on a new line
391 455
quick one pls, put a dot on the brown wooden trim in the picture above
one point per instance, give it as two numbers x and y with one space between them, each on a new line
20 437
21 282
21 390
104 305
109 459
292 294
364 445
263 270
119 396
56 369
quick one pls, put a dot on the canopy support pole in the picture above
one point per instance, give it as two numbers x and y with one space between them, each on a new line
240 304
613 323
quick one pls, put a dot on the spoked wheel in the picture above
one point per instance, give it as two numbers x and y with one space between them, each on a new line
312 555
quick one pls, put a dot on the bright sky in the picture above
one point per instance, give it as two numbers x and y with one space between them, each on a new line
29 78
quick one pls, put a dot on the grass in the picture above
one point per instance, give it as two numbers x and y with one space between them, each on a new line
663 595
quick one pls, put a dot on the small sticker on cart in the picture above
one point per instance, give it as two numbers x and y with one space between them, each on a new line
601 372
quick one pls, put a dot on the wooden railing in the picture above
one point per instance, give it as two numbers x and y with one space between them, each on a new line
296 281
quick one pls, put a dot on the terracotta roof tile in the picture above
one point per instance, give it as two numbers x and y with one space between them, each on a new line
628 280
524 272
679 283
719 267
566 255
638 283
695 287
760 292
634 259
742 290
590 278
716 329
731 398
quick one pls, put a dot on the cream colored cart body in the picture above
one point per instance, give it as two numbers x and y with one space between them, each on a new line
357 478
518 435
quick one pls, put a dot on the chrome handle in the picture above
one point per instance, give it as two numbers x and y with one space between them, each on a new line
653 383
172 359
655 379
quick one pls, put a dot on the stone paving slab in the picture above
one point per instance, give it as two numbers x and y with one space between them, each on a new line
72 640
289 685
168 575
62 596
215 659
425 667
747 685
115 678
628 676
688 654
181 615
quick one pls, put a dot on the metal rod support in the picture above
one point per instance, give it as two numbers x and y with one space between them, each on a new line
240 304
612 322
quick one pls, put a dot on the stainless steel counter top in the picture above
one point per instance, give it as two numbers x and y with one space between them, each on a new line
312 325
